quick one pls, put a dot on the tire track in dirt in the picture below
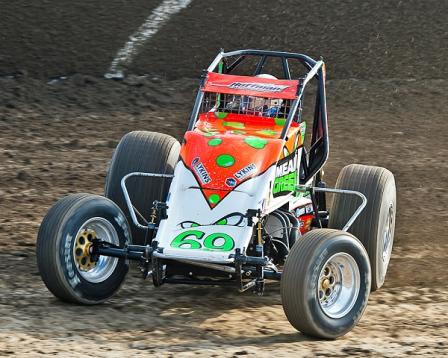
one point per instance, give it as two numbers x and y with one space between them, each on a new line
57 139
160 15
369 39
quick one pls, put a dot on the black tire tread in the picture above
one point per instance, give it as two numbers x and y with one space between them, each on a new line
47 242
295 270
292 273
141 151
370 181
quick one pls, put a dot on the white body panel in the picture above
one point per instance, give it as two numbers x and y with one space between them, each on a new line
188 211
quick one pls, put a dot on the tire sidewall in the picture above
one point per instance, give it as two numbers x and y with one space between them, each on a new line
387 199
141 151
85 291
331 327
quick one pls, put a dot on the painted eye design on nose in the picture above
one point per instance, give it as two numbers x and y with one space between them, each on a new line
188 224
234 219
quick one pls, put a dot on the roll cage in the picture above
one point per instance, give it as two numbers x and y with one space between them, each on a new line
315 157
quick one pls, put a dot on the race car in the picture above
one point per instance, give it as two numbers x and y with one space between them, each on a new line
240 202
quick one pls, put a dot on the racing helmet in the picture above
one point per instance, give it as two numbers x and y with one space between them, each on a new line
265 107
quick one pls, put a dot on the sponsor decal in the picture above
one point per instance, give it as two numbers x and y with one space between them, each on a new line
303 210
258 87
305 223
231 182
286 175
194 240
200 170
244 172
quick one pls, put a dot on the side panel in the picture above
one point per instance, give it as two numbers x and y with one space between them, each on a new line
287 170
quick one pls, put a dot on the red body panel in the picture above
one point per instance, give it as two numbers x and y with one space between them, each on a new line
226 149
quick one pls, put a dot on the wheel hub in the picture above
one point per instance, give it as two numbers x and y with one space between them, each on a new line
82 250
338 285
325 283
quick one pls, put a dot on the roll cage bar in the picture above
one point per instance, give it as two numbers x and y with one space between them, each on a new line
317 155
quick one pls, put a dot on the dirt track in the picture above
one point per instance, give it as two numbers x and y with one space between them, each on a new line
53 144
370 39
58 138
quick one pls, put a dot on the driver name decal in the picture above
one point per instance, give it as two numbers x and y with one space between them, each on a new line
259 87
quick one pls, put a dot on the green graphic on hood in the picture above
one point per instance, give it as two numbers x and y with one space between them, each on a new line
209 134
188 240
255 142
214 142
221 115
214 198
279 121
225 160
238 125
236 131
268 132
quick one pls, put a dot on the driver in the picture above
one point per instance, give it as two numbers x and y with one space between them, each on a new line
265 107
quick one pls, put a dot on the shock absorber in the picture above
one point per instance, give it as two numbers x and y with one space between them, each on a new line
259 283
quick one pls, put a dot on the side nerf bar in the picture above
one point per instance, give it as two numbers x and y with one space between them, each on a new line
303 188
127 197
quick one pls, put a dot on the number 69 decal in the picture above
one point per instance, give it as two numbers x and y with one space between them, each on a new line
192 239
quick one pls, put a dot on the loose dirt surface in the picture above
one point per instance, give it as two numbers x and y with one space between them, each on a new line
58 138
387 103
368 39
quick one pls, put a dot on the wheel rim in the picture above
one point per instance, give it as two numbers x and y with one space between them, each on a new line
388 238
89 269
338 285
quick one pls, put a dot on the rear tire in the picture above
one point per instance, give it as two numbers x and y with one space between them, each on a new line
67 270
375 226
325 283
141 151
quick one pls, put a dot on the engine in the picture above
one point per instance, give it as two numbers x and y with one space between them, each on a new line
282 228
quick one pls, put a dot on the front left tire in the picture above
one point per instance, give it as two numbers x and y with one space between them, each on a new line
63 257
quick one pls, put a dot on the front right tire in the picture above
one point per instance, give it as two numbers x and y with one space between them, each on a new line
325 283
